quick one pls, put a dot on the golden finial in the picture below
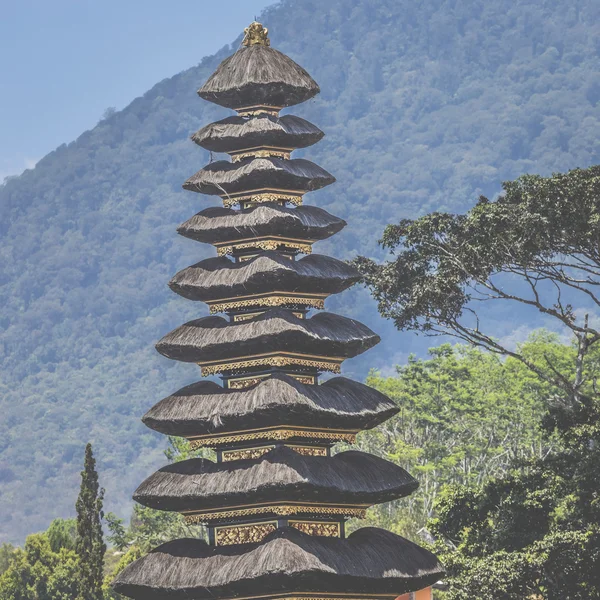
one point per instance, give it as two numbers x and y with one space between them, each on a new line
256 35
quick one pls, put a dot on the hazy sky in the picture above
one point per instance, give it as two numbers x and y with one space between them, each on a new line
63 62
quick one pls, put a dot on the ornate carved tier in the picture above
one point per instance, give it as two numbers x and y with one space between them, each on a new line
237 135
325 338
248 177
371 564
259 76
257 282
230 230
208 411
200 485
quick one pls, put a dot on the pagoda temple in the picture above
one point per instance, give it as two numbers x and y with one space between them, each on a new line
276 500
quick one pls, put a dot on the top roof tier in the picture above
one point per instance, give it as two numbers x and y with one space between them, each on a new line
258 75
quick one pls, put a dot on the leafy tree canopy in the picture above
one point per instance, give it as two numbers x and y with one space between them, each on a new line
537 245
458 423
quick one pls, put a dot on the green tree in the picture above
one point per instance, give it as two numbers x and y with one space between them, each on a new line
458 423
118 536
537 246
7 551
90 544
37 573
62 533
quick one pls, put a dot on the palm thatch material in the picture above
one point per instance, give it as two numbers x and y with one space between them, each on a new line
370 561
219 277
239 133
276 330
222 177
258 75
216 224
280 475
206 408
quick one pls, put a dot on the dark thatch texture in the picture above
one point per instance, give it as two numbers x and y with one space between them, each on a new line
280 475
206 408
223 177
370 561
219 277
238 133
217 224
276 330
258 75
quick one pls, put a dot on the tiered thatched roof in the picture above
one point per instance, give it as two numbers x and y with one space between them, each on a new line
369 562
222 177
283 474
218 278
277 330
217 224
239 133
206 408
258 75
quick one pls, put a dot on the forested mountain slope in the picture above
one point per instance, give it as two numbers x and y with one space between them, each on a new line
425 106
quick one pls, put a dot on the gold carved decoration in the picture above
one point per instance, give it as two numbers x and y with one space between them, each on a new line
320 528
269 301
245 317
278 360
268 244
244 382
282 510
245 453
243 534
256 35
308 380
261 153
253 111
253 453
310 450
240 384
280 435
259 197
248 316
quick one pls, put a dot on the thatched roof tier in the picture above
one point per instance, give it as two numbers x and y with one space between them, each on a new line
239 133
258 75
223 177
206 408
277 330
280 475
219 277
218 225
370 562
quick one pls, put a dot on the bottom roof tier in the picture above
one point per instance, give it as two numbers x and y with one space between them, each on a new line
370 561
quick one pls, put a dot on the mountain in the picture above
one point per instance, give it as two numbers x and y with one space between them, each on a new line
425 106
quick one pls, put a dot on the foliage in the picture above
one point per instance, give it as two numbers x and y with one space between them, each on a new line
36 572
90 544
535 532
7 551
62 533
425 105
458 423
537 245
118 533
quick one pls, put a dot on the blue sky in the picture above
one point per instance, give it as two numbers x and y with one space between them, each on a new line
63 62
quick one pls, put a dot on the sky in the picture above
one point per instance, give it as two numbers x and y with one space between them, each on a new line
64 62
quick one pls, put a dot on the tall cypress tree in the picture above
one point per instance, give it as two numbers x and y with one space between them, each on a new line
90 544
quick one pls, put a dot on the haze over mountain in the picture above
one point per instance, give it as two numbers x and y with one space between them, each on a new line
424 105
